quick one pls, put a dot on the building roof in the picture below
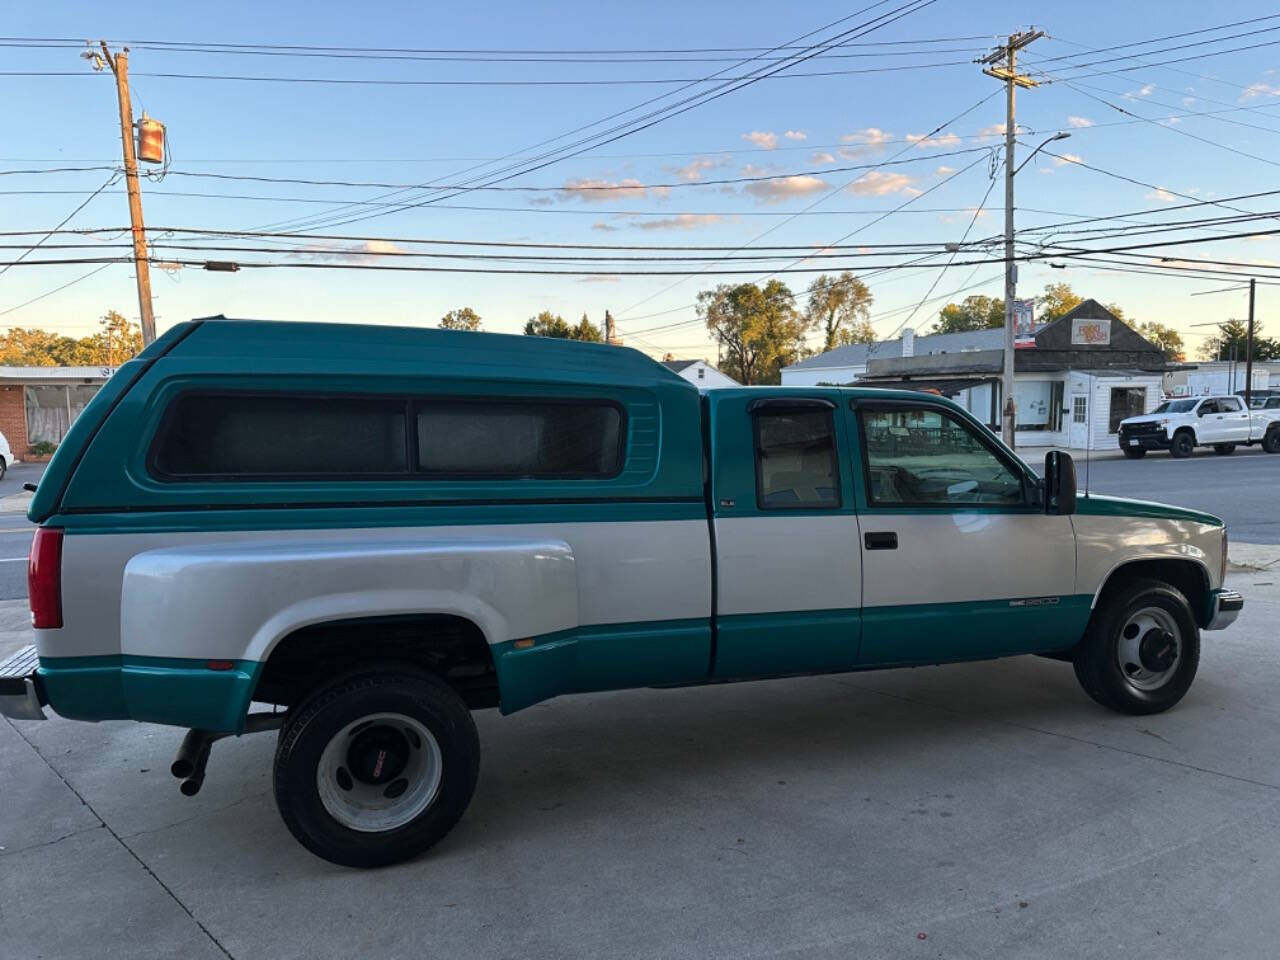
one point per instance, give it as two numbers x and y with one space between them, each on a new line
858 354
677 365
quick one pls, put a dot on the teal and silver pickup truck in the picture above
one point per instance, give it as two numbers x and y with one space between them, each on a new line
360 534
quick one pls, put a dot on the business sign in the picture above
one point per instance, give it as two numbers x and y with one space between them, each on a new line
1024 324
1091 333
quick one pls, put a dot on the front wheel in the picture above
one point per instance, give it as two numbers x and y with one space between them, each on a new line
1183 444
377 767
1134 453
1224 449
1142 649
1271 440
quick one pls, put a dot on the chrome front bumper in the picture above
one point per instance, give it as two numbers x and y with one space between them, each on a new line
1227 605
19 692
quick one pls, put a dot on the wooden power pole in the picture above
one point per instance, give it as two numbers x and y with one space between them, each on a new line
1007 72
119 64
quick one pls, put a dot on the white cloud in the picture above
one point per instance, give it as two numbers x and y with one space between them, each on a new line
1066 158
945 171
692 171
991 131
796 135
1079 122
1160 195
368 251
1147 89
784 188
681 221
600 278
591 190
1188 101
822 156
601 225
1256 90
879 184
867 137
764 139
942 140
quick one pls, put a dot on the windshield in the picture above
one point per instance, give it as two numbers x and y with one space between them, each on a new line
1175 406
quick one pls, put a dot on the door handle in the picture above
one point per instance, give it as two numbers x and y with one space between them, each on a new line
881 541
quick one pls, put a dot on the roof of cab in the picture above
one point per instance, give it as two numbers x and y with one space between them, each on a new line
453 352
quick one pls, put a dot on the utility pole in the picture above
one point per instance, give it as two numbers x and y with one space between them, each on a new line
1248 352
1007 72
142 269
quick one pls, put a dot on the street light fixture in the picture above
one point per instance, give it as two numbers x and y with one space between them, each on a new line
1060 135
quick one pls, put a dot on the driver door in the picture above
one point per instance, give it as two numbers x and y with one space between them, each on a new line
959 560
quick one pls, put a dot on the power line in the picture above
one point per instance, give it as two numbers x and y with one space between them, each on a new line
87 200
49 293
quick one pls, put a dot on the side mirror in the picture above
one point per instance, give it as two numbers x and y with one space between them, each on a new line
1059 484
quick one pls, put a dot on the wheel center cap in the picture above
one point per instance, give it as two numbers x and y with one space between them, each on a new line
1158 650
378 755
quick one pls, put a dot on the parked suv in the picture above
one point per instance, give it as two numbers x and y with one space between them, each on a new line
1180 425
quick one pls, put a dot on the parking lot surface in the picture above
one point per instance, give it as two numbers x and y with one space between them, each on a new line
982 810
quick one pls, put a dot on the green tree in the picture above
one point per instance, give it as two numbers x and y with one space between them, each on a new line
116 342
840 308
463 319
1059 299
1166 338
1232 343
548 324
759 330
976 312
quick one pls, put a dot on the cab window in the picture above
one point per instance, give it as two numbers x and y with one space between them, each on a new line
924 456
796 460
1208 407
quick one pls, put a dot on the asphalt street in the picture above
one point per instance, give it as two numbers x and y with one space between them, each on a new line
1243 488
15 532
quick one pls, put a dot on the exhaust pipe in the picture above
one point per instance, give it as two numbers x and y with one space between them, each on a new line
193 755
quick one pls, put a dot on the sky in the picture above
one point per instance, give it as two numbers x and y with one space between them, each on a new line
650 188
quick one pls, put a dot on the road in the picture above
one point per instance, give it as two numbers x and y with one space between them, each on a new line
1243 489
15 532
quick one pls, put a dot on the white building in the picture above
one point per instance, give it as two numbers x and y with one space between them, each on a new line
1220 376
1085 372
700 373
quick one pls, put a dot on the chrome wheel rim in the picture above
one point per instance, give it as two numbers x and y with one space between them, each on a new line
1149 650
379 772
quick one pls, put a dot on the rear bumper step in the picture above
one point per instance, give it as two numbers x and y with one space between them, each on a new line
21 696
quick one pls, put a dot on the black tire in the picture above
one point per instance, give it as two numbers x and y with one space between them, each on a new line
383 689
1184 443
1271 440
1097 660
1134 453
4 468
1224 449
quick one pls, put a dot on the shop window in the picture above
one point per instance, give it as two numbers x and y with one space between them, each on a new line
1126 402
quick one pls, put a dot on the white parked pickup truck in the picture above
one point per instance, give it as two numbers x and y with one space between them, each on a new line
1182 424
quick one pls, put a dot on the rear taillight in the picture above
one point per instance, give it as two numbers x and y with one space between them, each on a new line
44 578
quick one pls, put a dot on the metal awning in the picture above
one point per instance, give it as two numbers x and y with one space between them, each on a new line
946 387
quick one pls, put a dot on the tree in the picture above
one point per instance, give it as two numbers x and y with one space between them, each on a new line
759 330
1232 343
840 308
1166 338
116 342
1059 299
463 319
976 312
548 324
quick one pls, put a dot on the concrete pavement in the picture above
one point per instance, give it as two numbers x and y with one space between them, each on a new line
989 807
